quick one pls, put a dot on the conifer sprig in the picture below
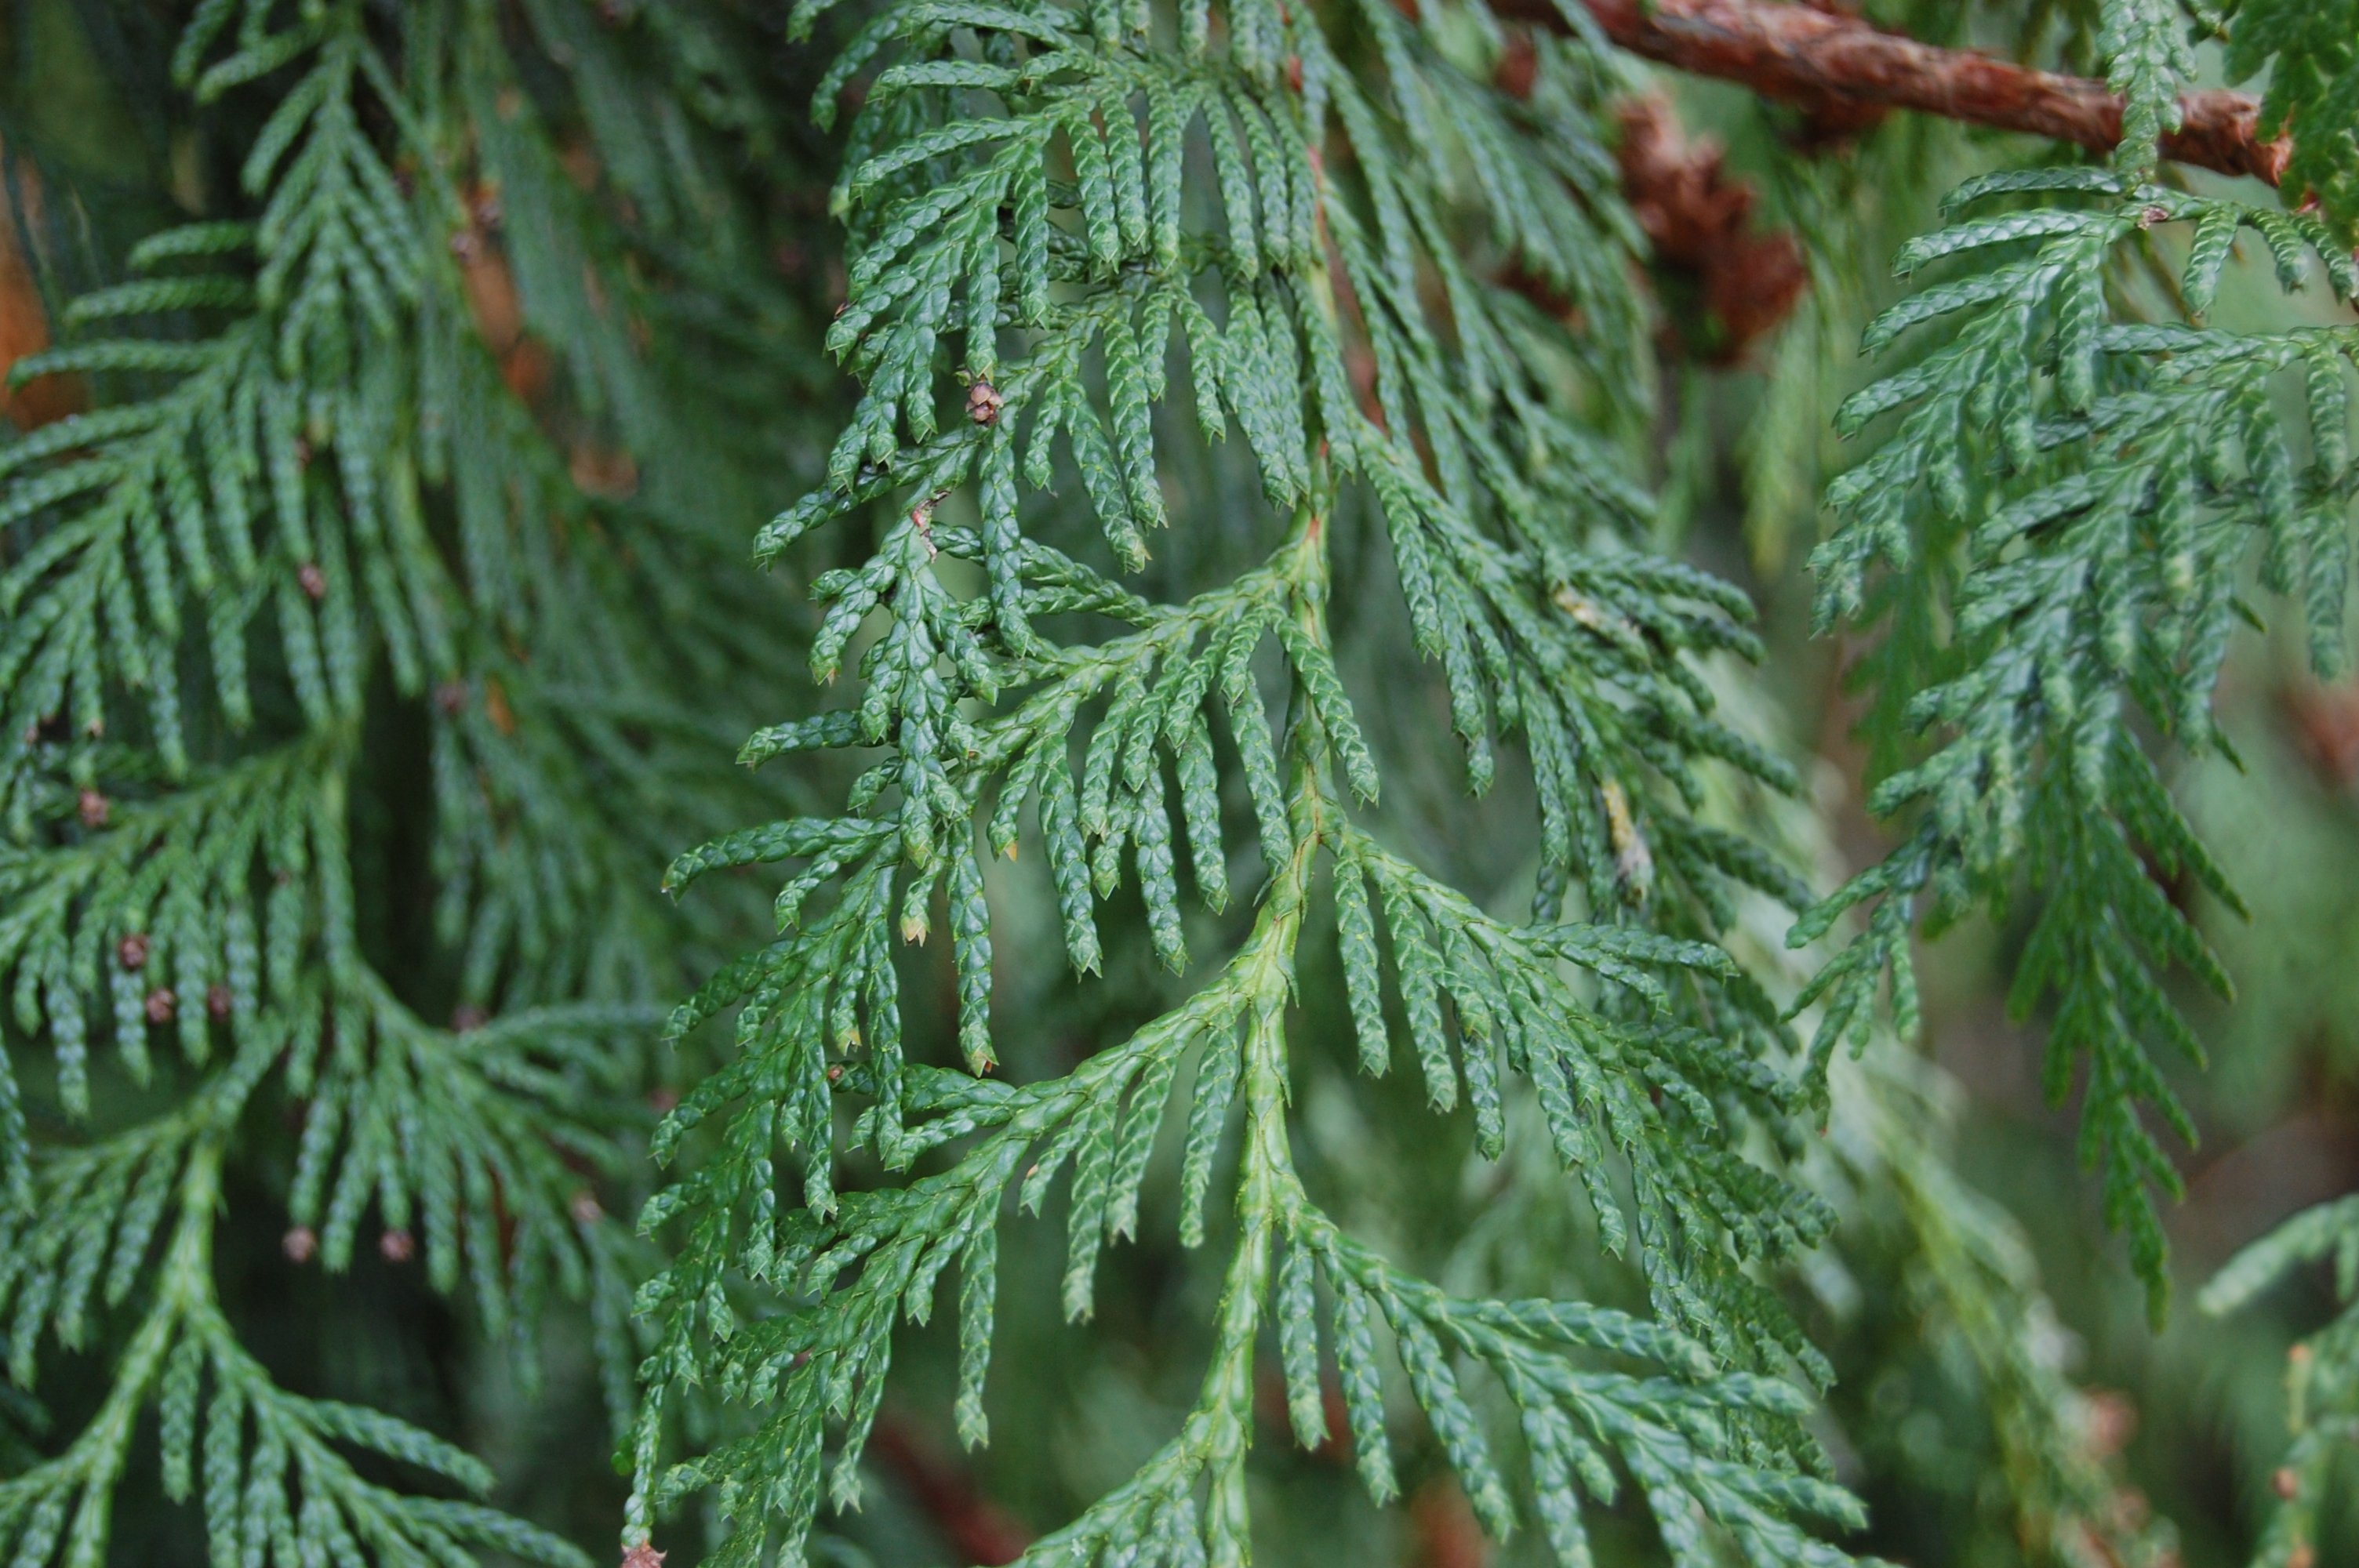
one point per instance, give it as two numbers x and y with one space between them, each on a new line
310 508
1029 272
2056 558
137 1211
810 1369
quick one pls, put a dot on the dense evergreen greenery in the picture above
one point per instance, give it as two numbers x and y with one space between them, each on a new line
1245 473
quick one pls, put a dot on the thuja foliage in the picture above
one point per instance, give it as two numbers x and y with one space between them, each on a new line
1024 220
305 516
2051 533
1239 396
2080 479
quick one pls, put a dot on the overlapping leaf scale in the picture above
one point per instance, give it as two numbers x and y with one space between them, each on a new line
188 911
1669 1433
880 1256
250 482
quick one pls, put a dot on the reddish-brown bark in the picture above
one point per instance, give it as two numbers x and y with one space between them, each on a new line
1838 68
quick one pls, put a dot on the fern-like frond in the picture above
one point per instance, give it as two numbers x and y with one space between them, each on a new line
2057 562
1036 278
271 1469
318 512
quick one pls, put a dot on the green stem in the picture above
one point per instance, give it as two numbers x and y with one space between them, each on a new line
1265 1162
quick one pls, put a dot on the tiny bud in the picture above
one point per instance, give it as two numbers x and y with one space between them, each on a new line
585 1209
398 1246
984 403
2303 1555
93 808
2300 1356
2153 215
465 246
302 451
643 1555
313 580
800 1360
451 696
1294 72
93 729
131 951
836 1074
217 1003
488 212
466 1017
299 1245
160 1005
2286 1482
913 929
662 1099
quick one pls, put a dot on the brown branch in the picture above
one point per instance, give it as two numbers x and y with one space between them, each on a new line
1831 64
